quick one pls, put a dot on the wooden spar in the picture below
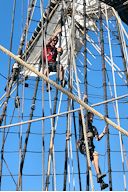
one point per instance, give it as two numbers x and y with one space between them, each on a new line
23 63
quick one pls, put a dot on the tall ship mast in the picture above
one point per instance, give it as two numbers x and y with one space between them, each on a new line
40 109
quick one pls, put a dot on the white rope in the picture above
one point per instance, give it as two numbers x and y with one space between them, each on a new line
117 16
98 49
68 166
75 98
60 114
72 164
43 127
123 43
52 131
82 114
69 132
69 117
54 168
107 59
5 96
51 154
43 97
115 93
22 106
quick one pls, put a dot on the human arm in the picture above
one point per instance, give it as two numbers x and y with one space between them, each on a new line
105 131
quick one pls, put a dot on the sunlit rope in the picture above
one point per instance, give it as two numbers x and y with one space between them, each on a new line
115 94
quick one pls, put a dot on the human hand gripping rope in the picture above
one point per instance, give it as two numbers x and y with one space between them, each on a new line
105 131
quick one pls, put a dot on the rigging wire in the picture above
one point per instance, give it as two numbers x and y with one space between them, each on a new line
19 183
79 95
11 36
116 107
55 151
51 144
28 130
105 94
43 97
4 117
123 47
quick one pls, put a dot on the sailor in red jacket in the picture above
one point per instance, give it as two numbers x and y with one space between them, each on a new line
50 53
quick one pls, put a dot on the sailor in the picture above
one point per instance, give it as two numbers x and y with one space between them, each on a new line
50 53
14 74
91 133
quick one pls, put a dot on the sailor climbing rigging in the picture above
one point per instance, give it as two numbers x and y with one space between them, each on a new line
49 55
91 133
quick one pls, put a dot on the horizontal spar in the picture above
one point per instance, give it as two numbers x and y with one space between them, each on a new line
75 98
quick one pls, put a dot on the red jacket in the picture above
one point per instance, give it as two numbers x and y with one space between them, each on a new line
50 53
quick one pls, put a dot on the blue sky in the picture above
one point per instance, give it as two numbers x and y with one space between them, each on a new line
32 179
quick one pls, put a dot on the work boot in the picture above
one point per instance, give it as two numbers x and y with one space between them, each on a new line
99 177
103 185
